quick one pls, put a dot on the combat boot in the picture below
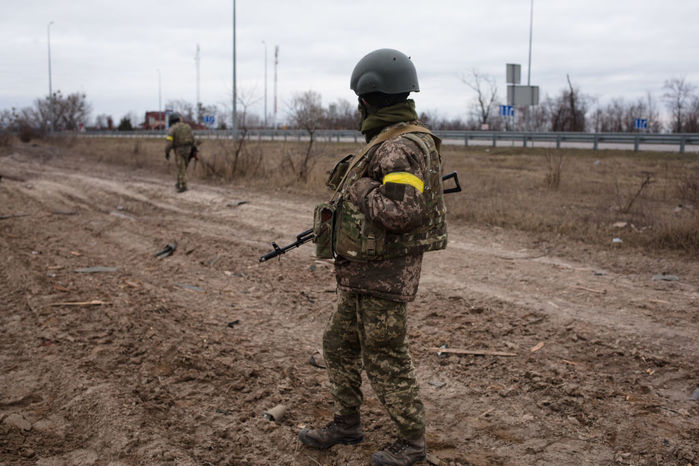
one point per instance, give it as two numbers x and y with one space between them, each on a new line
342 429
402 452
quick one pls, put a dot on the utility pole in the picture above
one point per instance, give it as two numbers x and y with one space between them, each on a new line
531 28
265 44
235 124
48 35
197 60
529 67
276 63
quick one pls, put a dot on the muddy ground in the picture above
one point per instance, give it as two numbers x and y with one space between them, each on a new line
175 360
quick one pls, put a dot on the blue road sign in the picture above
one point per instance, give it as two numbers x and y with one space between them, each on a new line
209 119
640 123
507 110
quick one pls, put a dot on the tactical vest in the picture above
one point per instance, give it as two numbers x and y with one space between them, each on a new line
342 230
181 134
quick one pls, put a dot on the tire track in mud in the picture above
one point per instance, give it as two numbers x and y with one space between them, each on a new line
471 265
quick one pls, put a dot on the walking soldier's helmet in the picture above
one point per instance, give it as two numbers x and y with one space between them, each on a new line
384 70
174 118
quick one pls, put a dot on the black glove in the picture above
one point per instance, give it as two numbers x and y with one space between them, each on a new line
167 156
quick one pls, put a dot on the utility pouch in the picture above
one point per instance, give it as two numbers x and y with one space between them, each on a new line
357 238
338 172
323 217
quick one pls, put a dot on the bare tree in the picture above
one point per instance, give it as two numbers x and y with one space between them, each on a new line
6 119
692 117
244 98
486 93
678 93
69 112
618 116
568 110
341 115
102 121
655 125
306 112
539 117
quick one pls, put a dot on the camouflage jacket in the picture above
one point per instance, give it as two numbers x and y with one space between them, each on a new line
398 208
179 135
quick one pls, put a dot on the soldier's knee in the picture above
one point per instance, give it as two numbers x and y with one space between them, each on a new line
384 330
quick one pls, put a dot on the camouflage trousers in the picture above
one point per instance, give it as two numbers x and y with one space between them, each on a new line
182 161
369 333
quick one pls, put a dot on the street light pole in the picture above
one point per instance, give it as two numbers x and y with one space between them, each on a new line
265 44
235 124
531 27
48 35
529 66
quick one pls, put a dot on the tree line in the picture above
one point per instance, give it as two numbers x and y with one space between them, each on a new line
573 110
570 109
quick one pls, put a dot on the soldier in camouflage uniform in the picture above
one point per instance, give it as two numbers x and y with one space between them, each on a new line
181 139
389 210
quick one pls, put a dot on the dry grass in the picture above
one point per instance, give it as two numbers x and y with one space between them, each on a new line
596 193
579 194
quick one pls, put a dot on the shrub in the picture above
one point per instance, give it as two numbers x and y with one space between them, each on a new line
27 133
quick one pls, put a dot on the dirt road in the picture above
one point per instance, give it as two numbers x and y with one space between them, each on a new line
176 359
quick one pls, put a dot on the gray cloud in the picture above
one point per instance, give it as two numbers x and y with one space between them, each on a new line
112 50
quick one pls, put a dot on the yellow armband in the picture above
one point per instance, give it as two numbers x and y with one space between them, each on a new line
404 178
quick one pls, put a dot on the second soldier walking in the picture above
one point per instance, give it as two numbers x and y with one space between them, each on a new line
181 139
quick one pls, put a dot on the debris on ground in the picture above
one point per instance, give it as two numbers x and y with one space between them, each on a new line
275 414
316 360
94 302
189 287
64 212
443 350
168 250
436 384
665 277
236 204
5 217
537 347
98 269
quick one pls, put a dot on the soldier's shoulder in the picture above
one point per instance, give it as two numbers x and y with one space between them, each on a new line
400 144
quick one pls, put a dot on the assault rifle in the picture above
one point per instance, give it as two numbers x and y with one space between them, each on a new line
306 236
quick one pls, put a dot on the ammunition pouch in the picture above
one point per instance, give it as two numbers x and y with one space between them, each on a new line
356 237
323 219
338 173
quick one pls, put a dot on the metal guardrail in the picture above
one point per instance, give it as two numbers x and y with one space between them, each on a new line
681 141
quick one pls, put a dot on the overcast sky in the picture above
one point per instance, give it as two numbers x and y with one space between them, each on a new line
112 50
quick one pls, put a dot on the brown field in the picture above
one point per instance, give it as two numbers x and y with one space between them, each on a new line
174 360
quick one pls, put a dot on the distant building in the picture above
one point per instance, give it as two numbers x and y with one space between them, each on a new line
158 121
155 121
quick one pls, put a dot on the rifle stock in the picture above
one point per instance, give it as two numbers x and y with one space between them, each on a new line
306 236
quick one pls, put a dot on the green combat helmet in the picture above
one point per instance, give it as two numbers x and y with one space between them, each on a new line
174 118
384 70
